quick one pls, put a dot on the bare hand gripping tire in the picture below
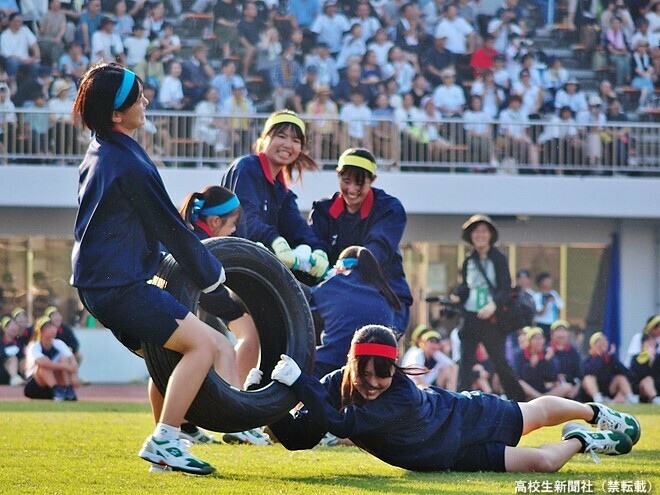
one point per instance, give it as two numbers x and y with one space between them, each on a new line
284 322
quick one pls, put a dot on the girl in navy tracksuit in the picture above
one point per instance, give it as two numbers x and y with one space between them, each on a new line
360 215
356 296
373 402
270 212
124 213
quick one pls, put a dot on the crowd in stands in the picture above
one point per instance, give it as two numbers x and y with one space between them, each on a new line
409 64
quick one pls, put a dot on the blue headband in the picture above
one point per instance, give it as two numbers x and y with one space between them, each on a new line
126 84
348 263
222 209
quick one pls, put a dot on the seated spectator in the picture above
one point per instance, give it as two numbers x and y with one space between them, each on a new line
606 91
616 140
353 47
502 26
372 75
560 140
170 93
431 130
530 93
208 126
479 133
285 77
408 118
537 367
604 375
304 12
326 66
11 353
63 130
370 24
381 45
436 59
357 117
501 76
106 45
330 27
64 331
442 371
7 8
571 95
323 128
643 73
18 46
645 371
238 104
569 362
528 61
432 12
349 82
594 118
513 13
514 53
227 77
618 8
652 328
514 140
409 33
617 46
37 123
196 73
249 29
483 57
450 97
51 367
169 42
8 120
136 46
382 132
227 15
415 341
89 21
492 96
52 27
306 90
74 61
461 37
554 78
420 89
152 69
125 22
400 70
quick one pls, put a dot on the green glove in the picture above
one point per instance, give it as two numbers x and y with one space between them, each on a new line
284 253
320 263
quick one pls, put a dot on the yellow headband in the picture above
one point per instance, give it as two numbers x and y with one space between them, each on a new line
560 323
431 335
356 161
595 337
531 332
4 321
284 118
16 311
418 331
50 310
41 322
654 321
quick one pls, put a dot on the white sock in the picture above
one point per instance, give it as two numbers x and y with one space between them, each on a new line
165 432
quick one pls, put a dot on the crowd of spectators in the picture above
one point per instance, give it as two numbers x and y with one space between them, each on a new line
410 64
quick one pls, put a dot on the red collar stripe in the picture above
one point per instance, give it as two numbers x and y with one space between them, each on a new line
265 168
370 349
338 205
203 226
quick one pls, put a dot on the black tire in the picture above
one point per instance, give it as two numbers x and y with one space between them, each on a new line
284 322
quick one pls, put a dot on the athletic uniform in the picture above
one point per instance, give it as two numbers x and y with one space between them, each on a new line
270 209
378 226
569 363
419 430
124 213
345 303
66 335
604 368
535 376
58 351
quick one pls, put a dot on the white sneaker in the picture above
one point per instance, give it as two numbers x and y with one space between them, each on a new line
632 399
16 381
255 436
173 453
329 440
656 400
158 468
598 442
199 436
609 419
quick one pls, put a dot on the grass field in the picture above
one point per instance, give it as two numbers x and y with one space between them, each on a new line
90 448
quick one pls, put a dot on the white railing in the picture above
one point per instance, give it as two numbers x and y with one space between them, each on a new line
183 139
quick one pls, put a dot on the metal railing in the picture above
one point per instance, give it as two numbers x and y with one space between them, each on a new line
183 139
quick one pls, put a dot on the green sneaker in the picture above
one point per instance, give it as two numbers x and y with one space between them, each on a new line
609 419
173 453
199 436
598 442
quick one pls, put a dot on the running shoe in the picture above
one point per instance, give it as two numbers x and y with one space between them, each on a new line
173 453
69 393
329 440
59 393
609 419
199 436
159 468
256 436
598 442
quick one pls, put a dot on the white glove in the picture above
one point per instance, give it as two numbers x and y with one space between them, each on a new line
284 253
303 253
253 378
286 371
320 263
11 350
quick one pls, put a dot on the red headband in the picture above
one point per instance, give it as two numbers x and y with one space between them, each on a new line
370 349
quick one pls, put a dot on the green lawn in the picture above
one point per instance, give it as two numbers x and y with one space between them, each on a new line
90 448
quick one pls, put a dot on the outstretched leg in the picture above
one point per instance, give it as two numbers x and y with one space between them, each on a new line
544 459
551 411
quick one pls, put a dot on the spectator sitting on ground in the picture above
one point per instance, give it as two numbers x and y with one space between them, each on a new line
645 371
442 371
652 327
50 365
415 341
11 353
435 59
537 368
64 331
604 375
450 97
569 362
25 332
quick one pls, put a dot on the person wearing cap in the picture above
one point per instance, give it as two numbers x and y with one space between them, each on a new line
63 129
651 327
415 340
362 215
537 367
270 210
374 402
486 285
12 353
106 45
645 371
124 215
64 332
571 96
436 368
569 361
325 144
355 295
449 97
435 59
50 366
593 130
330 26
604 374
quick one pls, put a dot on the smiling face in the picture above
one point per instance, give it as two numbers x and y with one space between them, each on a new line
370 386
282 147
354 193
481 236
560 337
